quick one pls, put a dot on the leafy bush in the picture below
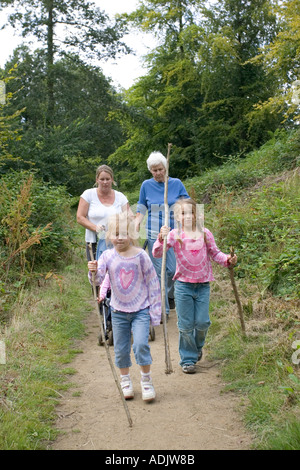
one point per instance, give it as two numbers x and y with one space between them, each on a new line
45 204
265 231
252 203
36 230
278 154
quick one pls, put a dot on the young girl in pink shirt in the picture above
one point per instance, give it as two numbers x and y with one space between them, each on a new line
194 247
135 300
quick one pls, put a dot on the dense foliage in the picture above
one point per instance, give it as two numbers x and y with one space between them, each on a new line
86 30
220 82
253 204
82 135
202 90
36 232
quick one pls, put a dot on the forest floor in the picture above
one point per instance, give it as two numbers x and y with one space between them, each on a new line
190 412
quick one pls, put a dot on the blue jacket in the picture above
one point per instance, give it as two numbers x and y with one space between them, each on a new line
152 200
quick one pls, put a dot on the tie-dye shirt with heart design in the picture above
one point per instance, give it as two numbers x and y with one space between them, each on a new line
134 283
192 256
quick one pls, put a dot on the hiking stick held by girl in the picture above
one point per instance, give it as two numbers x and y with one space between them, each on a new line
194 247
135 300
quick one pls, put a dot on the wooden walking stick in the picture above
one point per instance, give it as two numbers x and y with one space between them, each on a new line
236 294
163 273
105 342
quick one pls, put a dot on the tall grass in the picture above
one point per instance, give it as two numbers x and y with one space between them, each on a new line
36 229
279 154
258 367
264 227
253 204
39 350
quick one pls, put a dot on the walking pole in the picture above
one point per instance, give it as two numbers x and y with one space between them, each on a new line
163 273
105 343
236 294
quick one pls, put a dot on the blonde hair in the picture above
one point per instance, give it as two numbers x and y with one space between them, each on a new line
122 223
108 170
178 215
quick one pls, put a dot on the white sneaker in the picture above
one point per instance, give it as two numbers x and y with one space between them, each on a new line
148 392
127 388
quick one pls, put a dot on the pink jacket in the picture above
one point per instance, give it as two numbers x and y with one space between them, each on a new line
105 286
193 257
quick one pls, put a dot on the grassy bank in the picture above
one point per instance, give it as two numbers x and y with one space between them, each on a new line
40 344
260 218
258 367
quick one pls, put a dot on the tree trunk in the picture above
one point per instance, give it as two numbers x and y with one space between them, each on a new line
50 61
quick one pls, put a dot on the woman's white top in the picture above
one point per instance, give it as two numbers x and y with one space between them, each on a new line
98 213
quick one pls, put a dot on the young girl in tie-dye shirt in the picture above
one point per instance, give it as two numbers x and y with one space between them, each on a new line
194 247
135 300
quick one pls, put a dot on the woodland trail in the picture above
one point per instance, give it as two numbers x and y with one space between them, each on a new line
190 412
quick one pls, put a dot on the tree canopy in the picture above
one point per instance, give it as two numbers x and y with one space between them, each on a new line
201 88
62 27
219 83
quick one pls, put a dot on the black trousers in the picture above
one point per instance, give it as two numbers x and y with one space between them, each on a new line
94 249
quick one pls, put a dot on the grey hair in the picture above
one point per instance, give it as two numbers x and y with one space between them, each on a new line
155 158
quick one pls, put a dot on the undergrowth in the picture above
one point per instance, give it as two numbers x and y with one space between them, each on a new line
39 349
264 227
259 367
281 153
36 230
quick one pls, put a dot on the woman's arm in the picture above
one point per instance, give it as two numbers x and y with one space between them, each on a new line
82 212
138 220
127 208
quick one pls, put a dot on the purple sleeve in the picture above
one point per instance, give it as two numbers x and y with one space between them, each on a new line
105 286
100 273
152 283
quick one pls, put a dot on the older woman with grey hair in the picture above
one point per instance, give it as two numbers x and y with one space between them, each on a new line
151 199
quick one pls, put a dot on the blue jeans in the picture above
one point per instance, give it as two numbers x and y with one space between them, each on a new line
123 324
192 307
102 246
170 270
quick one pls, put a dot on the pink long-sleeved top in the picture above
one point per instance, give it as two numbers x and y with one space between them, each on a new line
193 256
134 283
105 286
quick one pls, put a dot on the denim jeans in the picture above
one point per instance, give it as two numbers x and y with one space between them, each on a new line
192 307
102 246
137 323
170 271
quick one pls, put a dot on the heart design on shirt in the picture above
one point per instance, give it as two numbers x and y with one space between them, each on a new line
195 252
126 277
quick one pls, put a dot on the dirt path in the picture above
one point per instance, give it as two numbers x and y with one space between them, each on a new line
189 413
